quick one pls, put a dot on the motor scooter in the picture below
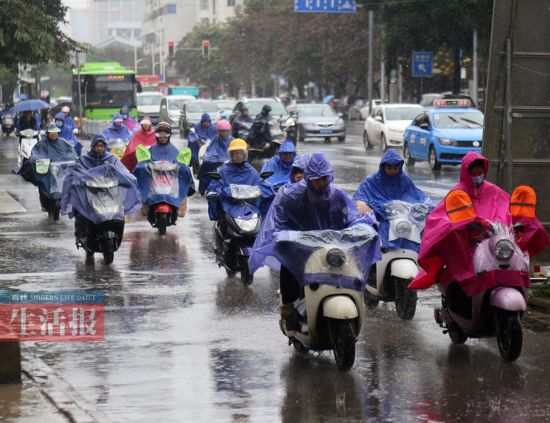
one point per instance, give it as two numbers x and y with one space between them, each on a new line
7 123
49 178
164 187
391 275
290 129
28 139
102 225
237 224
202 145
493 302
329 268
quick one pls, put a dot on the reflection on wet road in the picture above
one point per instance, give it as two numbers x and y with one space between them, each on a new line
184 343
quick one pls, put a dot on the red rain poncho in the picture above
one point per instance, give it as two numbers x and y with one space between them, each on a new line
146 138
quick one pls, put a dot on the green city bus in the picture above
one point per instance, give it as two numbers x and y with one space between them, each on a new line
104 87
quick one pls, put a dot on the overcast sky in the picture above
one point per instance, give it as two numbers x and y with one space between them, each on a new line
75 4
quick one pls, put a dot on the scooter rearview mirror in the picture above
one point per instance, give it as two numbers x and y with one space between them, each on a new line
459 207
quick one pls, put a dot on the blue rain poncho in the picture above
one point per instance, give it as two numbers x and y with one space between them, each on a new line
49 179
100 193
91 159
233 174
300 213
164 175
299 163
67 133
114 132
201 133
215 156
379 189
281 170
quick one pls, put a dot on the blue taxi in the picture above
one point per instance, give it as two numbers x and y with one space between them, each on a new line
444 134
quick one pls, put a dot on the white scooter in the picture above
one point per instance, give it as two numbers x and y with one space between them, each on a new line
28 139
398 266
334 310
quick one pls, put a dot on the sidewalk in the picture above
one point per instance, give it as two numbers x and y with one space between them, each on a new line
43 396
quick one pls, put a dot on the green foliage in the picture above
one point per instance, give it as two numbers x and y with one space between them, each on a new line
30 33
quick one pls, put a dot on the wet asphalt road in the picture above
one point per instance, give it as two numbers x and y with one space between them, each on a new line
184 343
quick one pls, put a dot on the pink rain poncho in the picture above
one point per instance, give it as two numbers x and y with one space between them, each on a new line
447 244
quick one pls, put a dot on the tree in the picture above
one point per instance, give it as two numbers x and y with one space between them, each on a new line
30 33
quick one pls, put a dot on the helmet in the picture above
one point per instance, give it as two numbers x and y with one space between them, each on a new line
266 109
223 125
65 109
164 127
145 121
238 144
124 110
52 127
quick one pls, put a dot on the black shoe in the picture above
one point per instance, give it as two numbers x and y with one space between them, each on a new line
294 322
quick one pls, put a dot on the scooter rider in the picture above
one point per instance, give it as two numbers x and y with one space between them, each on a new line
260 134
28 120
235 171
311 204
144 136
242 119
298 167
203 131
127 119
281 164
216 153
67 132
117 130
491 204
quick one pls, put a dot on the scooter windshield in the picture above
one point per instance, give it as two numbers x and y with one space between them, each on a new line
406 220
116 147
104 196
497 249
58 171
29 133
244 192
164 179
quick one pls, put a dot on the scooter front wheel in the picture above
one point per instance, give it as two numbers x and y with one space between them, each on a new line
509 334
405 299
108 249
246 276
343 338
457 335
162 223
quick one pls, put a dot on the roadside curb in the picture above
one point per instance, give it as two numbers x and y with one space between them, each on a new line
540 304
59 392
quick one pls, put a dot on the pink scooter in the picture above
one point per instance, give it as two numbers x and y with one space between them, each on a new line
493 301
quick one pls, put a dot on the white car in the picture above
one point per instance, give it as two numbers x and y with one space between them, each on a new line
148 104
386 124
171 107
364 111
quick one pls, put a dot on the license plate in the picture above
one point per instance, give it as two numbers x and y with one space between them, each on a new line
326 131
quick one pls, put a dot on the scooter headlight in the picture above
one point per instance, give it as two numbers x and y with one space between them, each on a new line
336 257
247 225
504 249
403 229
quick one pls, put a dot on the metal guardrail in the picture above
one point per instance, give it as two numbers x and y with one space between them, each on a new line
93 127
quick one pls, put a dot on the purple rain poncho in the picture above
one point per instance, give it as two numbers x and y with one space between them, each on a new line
302 220
379 189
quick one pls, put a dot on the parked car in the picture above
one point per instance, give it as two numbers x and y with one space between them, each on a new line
148 104
444 134
171 107
386 124
354 112
193 110
319 121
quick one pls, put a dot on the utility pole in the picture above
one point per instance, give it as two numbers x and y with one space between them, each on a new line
369 70
400 82
79 82
475 81
382 79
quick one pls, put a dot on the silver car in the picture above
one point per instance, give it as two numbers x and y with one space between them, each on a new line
319 121
192 112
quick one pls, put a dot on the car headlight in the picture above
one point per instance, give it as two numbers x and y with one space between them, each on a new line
336 257
247 225
446 141
339 122
504 249
403 229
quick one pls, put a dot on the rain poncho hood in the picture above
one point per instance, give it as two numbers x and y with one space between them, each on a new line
281 170
202 132
445 243
233 174
141 137
99 205
91 159
299 163
295 209
67 133
206 117
378 189
115 132
58 151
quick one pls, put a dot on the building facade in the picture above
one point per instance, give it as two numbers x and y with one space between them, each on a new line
217 11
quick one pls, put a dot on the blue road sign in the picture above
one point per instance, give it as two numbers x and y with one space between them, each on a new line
422 64
326 6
